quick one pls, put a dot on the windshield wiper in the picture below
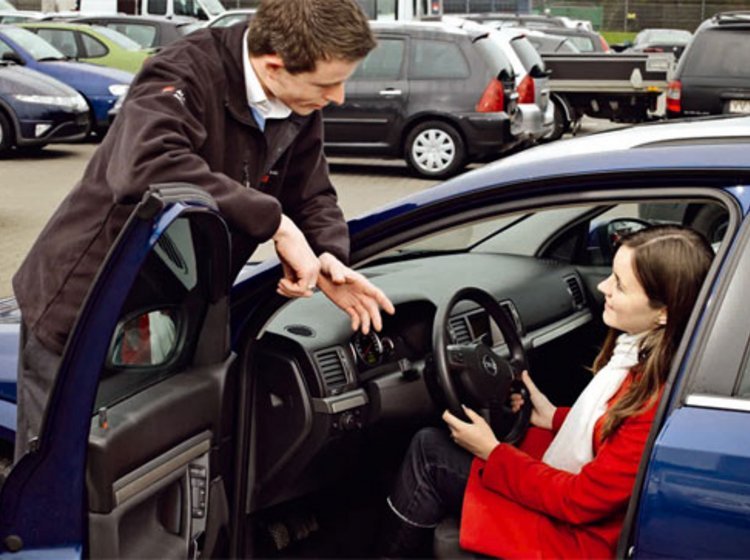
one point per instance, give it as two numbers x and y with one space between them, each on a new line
52 58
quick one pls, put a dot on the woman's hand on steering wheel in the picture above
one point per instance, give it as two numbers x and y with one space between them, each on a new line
542 410
476 436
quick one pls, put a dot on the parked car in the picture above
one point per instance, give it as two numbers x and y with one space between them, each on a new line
92 43
586 41
436 95
531 21
18 16
36 110
265 428
100 86
230 17
148 31
550 43
713 75
532 82
661 41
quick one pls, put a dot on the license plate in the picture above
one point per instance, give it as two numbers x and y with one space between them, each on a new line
739 106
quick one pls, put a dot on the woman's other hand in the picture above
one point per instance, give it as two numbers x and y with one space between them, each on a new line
475 436
542 411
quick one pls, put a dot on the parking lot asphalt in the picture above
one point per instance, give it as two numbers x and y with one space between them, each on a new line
32 185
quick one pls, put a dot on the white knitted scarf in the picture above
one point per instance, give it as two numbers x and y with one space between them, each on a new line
573 445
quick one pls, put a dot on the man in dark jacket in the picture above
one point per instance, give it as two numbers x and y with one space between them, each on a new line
236 112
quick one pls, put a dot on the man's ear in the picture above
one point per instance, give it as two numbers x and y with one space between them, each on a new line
271 63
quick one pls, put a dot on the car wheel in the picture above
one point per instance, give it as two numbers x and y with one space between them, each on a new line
435 150
6 134
561 124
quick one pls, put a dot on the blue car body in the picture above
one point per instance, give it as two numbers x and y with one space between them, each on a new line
63 117
693 489
92 81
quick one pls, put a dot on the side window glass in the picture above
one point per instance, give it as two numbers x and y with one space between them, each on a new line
144 35
4 48
384 62
744 389
155 326
437 60
158 7
93 48
61 39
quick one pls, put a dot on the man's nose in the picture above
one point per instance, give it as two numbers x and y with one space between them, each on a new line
336 94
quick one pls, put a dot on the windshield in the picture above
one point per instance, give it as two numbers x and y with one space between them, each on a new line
37 47
213 7
668 36
7 6
118 38
718 54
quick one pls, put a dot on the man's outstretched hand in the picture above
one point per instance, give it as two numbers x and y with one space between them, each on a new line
353 293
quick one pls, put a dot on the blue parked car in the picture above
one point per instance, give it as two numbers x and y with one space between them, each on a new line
193 417
36 109
99 85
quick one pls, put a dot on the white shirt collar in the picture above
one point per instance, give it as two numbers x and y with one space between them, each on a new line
256 97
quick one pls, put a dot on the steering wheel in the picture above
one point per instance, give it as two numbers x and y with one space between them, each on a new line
472 373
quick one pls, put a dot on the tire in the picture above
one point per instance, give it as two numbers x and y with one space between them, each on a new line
435 150
561 125
6 134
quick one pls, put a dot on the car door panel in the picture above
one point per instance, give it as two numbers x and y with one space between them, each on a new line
159 440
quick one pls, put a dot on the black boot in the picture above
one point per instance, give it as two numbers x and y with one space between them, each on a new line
400 539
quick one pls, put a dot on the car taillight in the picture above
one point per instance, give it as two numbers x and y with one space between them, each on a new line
493 98
653 49
526 90
605 45
674 96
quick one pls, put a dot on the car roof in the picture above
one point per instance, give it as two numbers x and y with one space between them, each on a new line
710 144
452 26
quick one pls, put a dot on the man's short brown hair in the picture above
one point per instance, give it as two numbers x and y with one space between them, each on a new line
302 32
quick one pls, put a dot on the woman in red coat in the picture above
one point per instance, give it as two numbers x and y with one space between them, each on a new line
564 492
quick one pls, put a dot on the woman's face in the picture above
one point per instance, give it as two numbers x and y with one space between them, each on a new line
626 305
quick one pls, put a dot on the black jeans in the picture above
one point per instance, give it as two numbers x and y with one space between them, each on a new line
432 479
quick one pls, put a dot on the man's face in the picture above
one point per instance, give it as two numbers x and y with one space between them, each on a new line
308 91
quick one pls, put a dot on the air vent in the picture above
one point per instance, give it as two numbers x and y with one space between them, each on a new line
172 252
459 330
331 364
576 291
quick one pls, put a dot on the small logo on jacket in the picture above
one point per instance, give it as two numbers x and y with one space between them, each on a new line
176 93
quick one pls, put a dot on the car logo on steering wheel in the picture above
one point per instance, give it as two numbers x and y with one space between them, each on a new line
489 365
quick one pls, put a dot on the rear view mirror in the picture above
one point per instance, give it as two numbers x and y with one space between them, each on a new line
146 339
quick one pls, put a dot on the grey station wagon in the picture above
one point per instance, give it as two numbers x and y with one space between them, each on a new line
433 94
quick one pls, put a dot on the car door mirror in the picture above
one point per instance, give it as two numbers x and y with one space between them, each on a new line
605 238
145 339
13 57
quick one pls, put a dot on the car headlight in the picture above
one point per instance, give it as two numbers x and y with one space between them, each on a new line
71 102
118 89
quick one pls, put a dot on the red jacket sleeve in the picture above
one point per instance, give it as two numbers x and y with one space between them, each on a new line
561 413
602 487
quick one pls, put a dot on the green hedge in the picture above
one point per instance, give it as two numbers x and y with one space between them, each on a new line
614 37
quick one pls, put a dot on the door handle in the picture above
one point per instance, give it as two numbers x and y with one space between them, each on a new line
390 92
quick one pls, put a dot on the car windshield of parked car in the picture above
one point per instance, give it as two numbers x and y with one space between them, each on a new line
666 36
229 19
36 46
118 38
7 6
719 54
213 7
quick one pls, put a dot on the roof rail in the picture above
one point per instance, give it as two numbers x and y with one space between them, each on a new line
740 16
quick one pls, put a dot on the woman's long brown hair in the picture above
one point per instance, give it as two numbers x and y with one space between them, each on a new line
670 262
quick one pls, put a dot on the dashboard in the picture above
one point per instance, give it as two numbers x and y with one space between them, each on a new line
319 383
